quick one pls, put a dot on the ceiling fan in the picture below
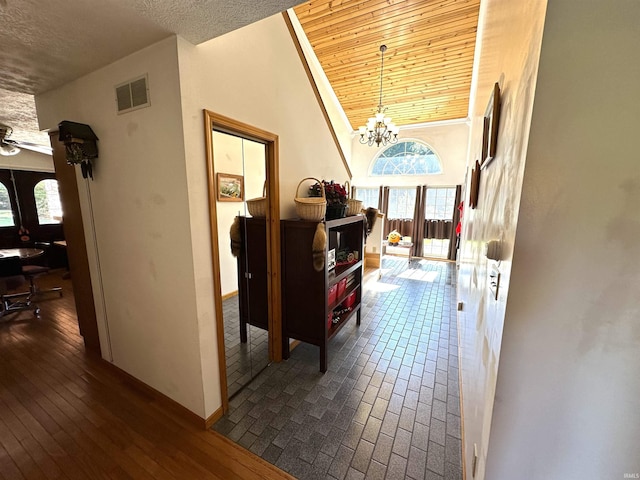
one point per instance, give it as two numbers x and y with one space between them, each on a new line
13 147
7 147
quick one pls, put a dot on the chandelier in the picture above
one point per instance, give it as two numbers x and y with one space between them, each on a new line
379 129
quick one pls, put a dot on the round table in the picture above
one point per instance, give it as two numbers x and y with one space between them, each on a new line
23 253
402 244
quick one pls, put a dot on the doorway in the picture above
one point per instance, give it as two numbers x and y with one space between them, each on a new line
242 164
30 210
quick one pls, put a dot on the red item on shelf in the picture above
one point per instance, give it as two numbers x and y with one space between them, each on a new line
332 294
350 300
459 226
342 285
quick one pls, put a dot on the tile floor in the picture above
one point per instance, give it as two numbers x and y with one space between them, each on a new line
388 406
244 360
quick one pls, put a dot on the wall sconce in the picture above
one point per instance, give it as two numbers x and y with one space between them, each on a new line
80 145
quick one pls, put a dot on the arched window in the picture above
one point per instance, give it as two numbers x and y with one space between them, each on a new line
47 201
408 157
6 212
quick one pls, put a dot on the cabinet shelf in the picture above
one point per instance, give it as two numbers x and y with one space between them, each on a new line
338 326
343 297
343 272
306 312
339 222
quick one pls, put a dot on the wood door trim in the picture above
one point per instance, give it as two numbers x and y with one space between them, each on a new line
228 125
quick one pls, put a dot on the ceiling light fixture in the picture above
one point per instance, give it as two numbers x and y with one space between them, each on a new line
7 147
379 129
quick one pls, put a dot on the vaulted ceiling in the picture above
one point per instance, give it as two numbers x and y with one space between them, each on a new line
427 67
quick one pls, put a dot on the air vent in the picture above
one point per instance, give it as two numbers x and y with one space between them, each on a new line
132 95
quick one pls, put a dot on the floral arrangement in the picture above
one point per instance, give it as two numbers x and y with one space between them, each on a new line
336 194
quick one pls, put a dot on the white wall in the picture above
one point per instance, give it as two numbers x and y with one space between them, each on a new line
150 199
568 390
227 155
254 75
374 240
238 156
142 223
507 51
448 140
341 126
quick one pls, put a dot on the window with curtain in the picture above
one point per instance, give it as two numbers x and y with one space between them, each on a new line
408 157
48 204
402 202
440 203
6 212
438 213
369 196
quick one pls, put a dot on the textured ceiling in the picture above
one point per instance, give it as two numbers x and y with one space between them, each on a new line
18 110
427 66
46 44
201 20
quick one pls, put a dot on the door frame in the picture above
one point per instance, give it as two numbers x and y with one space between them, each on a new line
214 121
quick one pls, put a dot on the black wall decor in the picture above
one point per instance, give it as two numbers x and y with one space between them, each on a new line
80 144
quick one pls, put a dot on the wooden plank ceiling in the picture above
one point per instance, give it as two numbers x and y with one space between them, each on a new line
427 67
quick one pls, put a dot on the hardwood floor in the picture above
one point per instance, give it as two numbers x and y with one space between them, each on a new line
65 415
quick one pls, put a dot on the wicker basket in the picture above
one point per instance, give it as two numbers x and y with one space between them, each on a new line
258 206
311 208
353 206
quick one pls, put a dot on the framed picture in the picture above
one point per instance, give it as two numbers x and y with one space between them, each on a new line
230 187
485 140
474 189
492 115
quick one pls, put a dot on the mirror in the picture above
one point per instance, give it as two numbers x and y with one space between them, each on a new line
258 283
240 169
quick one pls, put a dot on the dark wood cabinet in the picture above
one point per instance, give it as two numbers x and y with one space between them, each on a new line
252 275
316 305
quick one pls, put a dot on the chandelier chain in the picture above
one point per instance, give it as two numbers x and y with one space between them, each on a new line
379 129
383 48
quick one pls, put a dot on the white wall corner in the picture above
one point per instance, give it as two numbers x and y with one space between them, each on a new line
341 125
